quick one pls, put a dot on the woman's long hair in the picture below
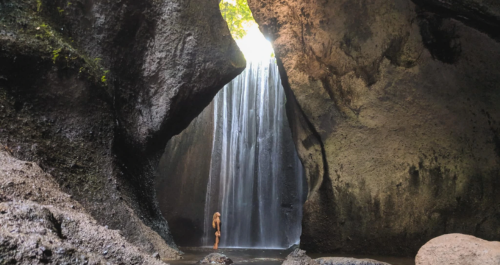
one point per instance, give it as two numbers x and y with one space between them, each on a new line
213 219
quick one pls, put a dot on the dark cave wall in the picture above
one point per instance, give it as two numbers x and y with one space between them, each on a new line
394 109
93 90
183 174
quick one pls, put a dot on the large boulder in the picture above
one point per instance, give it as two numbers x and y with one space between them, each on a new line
92 90
394 109
458 249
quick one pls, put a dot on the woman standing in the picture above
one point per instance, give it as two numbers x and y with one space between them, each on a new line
216 226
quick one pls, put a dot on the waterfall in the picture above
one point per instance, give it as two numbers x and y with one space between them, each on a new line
256 179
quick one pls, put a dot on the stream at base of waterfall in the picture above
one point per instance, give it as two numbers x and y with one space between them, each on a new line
273 256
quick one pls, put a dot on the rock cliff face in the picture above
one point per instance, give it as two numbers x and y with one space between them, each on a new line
92 91
394 109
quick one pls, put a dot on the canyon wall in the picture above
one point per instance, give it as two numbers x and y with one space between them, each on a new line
394 108
92 90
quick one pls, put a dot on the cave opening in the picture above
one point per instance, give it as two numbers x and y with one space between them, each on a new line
237 157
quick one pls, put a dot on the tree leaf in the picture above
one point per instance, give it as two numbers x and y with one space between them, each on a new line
236 13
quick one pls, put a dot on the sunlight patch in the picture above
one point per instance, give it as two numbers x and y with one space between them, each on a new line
245 31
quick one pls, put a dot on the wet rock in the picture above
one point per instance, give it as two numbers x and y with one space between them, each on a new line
299 257
215 258
348 261
459 249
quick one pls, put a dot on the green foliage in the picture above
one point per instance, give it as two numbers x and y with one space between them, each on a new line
103 78
55 54
60 10
38 5
45 31
236 13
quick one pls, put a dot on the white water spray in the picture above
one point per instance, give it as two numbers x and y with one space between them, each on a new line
256 178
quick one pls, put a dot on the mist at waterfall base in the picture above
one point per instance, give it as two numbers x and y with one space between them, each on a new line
256 178
237 158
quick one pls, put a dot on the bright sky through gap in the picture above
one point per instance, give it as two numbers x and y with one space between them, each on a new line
254 45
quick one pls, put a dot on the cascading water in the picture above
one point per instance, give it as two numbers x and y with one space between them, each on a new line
256 178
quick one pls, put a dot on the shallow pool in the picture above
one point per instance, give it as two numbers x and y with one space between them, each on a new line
272 256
